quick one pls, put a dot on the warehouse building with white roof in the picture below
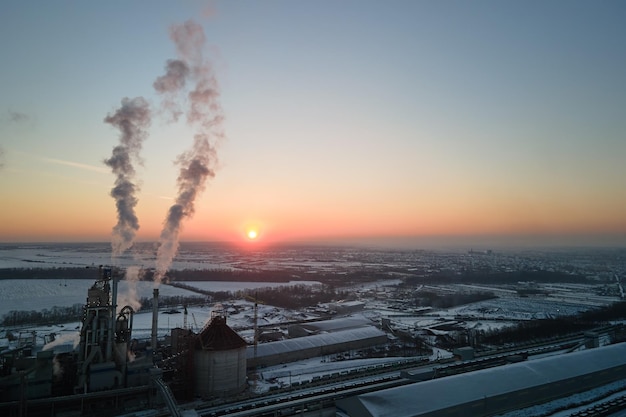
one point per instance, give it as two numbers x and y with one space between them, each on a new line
291 350
495 390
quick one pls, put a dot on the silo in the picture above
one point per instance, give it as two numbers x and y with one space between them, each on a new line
219 360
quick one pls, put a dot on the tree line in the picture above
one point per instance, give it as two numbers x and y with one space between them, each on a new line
294 296
559 326
59 315
46 316
291 297
432 299
495 277
217 274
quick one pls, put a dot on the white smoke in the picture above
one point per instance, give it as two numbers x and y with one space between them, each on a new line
204 113
66 339
188 81
132 119
57 370
130 297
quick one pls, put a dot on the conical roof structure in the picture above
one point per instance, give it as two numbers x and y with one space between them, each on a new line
217 336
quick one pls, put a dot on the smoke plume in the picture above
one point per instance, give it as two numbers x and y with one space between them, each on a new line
129 296
16 116
204 113
63 339
169 85
57 369
132 119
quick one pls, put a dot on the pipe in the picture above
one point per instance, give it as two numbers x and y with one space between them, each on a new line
155 318
109 353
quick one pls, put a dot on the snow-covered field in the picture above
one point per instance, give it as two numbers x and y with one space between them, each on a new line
191 255
238 286
40 294
44 294
516 308
37 294
30 255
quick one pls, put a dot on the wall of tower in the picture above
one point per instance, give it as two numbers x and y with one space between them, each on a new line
219 373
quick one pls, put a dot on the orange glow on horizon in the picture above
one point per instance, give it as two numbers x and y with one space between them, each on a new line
93 220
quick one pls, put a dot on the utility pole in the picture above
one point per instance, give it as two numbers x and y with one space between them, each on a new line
256 321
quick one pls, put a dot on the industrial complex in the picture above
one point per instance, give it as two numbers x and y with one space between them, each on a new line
110 372
215 370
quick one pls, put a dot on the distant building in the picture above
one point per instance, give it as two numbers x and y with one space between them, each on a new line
346 307
327 326
291 350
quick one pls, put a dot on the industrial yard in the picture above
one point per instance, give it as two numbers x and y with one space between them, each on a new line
226 350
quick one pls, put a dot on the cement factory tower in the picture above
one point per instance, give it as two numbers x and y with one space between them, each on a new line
219 359
103 348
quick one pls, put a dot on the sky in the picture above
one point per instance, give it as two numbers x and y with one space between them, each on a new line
392 123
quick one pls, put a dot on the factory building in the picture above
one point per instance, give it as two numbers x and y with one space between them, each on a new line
291 350
327 326
346 307
98 377
219 360
495 390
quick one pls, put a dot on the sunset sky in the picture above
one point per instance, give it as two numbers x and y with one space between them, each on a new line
387 122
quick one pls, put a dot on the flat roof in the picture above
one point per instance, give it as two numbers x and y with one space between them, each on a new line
425 397
342 323
315 341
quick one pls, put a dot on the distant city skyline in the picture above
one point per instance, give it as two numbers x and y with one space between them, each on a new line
402 123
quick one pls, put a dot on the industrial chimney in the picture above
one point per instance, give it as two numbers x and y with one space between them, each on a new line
155 318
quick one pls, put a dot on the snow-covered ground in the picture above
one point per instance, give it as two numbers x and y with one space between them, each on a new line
563 300
191 255
49 255
240 317
311 369
37 295
40 294
238 286
513 307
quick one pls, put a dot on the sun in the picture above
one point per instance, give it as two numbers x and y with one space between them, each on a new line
252 234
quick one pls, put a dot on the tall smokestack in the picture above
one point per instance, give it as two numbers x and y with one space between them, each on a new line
155 318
